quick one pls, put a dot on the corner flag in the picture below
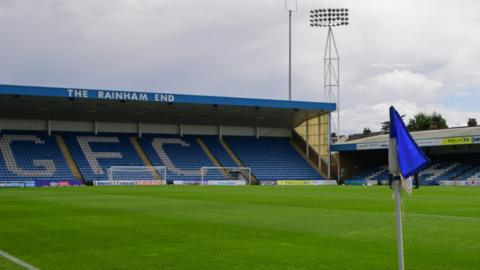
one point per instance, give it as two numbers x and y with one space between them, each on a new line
405 158
410 158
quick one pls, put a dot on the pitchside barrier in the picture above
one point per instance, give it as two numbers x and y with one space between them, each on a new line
459 183
223 182
129 183
40 183
306 182
17 183
463 183
366 182
229 176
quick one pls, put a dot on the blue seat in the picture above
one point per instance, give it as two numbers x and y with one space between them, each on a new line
272 158
95 154
31 156
182 156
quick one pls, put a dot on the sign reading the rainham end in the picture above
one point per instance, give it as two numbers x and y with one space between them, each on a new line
120 95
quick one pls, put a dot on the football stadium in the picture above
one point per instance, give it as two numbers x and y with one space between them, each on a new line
164 181
161 139
112 178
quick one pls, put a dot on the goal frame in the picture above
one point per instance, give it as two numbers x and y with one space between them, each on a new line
161 171
204 181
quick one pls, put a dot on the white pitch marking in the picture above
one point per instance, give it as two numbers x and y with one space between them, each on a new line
17 261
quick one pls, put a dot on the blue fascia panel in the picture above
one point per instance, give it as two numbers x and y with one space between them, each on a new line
343 147
79 93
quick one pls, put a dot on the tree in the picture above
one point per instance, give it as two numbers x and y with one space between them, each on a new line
472 122
366 131
438 122
386 125
423 121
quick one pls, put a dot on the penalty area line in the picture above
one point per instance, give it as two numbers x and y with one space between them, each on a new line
17 261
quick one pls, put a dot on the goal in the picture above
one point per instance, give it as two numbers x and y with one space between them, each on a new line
135 176
226 176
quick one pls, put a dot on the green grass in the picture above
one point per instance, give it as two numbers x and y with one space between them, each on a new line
197 227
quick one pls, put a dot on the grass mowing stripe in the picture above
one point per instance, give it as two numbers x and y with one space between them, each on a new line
17 261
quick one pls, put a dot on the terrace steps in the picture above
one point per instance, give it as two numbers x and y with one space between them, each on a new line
308 160
235 159
212 157
69 158
143 156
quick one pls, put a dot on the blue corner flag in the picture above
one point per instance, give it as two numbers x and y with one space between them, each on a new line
411 158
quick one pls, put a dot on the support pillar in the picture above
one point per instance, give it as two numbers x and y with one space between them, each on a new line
329 130
319 148
307 145
49 127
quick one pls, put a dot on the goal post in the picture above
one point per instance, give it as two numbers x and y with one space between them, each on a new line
134 176
230 176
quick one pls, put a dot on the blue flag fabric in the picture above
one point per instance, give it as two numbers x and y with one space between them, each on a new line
411 158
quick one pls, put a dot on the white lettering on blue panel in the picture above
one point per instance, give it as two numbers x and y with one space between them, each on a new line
120 95
41 168
77 93
92 156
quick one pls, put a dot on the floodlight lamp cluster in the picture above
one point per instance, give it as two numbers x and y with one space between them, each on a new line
328 17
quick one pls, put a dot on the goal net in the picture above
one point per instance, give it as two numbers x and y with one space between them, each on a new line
226 176
135 176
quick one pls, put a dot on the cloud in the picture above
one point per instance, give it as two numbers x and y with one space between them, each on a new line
397 66
356 118
394 85
463 94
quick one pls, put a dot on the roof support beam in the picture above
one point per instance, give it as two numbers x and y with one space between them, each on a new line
307 146
329 173
49 127
258 132
180 130
95 127
220 132
139 129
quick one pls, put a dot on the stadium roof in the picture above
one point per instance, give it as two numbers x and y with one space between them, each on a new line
31 102
439 137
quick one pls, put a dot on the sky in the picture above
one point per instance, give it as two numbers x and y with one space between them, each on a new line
420 56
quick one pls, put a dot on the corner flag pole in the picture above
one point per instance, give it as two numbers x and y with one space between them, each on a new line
405 159
394 170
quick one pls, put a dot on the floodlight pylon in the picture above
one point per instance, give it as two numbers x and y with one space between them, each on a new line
330 18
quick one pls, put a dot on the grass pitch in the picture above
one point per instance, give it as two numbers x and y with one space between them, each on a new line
251 227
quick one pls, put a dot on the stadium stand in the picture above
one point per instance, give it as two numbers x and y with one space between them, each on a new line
442 168
31 156
182 156
94 154
150 129
372 173
37 156
213 143
473 173
269 158
272 158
